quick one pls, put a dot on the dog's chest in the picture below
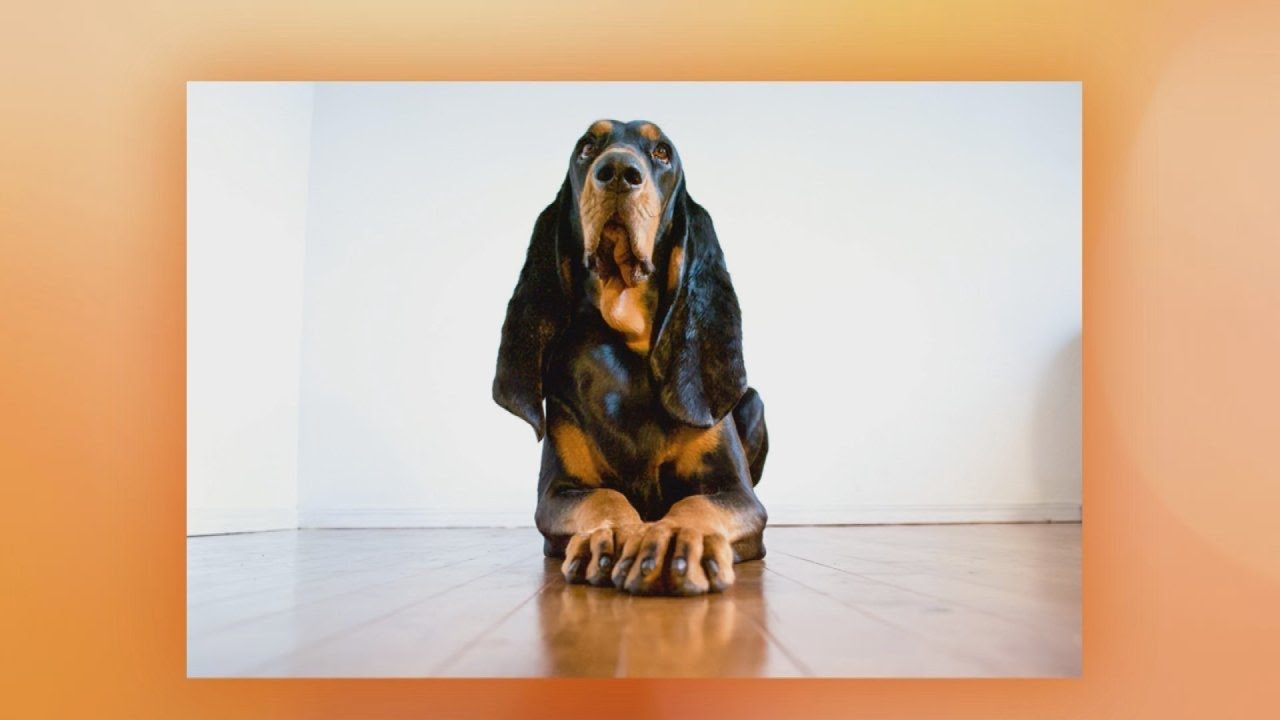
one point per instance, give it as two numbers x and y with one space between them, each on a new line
606 387
613 389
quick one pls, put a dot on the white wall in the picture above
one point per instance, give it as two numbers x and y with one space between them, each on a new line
248 146
907 257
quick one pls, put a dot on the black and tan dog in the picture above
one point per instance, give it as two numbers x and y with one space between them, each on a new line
625 321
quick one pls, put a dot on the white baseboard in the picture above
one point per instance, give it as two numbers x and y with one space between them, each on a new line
922 514
218 521
779 515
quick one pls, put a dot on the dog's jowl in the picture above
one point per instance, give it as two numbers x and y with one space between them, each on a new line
625 326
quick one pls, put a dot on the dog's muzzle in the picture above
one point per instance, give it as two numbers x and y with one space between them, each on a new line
618 210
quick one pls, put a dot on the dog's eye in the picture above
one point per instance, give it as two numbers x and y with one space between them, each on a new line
586 147
662 152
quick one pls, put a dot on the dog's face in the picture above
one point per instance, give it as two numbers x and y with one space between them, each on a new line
623 177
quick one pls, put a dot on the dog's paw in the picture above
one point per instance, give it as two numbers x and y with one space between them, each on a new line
650 559
591 557
663 559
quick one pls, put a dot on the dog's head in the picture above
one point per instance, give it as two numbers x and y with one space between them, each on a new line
623 213
624 177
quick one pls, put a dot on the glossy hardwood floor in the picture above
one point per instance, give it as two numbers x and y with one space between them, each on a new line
895 601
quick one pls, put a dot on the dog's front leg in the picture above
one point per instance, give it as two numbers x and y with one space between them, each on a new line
585 523
589 527
693 548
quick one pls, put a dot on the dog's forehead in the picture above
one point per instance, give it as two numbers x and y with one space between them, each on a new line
620 131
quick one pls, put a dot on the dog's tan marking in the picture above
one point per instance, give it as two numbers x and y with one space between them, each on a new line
580 457
674 267
701 514
649 131
601 507
627 310
687 448
600 127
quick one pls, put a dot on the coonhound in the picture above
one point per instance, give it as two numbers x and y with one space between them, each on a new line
625 322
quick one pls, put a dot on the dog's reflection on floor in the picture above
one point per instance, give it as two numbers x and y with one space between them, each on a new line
589 631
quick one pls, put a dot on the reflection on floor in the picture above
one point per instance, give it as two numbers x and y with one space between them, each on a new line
924 600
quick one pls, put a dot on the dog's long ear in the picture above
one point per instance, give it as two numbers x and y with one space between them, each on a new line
537 313
697 356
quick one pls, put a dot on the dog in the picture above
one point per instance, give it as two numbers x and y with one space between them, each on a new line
624 321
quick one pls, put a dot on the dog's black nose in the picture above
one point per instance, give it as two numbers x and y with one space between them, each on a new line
619 171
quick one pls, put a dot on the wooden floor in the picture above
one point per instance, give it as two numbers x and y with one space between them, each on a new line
924 600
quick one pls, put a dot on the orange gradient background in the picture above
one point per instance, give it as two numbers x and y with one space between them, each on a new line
1181 330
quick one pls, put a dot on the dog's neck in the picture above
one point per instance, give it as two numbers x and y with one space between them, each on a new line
628 310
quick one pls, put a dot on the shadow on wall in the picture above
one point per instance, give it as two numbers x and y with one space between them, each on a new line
1056 426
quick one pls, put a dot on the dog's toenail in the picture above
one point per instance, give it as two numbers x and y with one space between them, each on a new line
712 566
680 565
647 565
605 561
575 566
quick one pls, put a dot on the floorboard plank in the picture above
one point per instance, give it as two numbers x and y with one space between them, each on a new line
867 601
578 630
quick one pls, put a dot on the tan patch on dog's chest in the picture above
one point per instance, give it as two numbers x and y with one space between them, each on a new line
629 310
579 455
688 447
